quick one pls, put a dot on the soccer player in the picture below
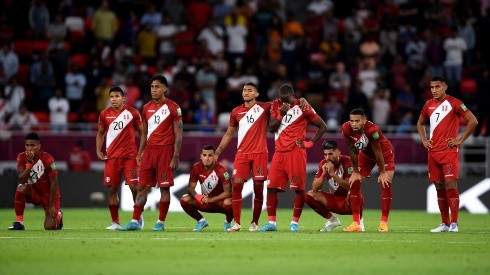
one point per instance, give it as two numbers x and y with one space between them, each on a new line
444 112
38 184
118 124
252 155
159 151
368 147
215 194
336 169
289 122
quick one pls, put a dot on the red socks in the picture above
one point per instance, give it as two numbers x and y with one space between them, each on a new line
385 203
114 209
442 201
355 200
318 207
137 211
258 201
163 207
19 205
190 210
271 206
453 199
236 201
299 203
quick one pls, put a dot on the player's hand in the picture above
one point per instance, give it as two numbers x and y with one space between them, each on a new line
451 142
52 212
284 108
101 156
174 163
205 199
138 159
354 177
384 179
329 168
30 156
427 144
304 144
303 104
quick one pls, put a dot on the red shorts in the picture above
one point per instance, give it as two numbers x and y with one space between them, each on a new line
366 164
114 169
443 165
39 198
244 163
213 207
288 166
155 167
338 205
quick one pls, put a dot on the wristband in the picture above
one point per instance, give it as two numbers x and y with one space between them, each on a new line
308 144
279 117
28 165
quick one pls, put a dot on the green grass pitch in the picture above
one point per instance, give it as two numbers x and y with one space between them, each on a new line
85 247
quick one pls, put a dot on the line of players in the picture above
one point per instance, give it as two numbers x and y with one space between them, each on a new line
160 130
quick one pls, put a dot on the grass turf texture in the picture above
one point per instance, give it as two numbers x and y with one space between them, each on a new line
85 247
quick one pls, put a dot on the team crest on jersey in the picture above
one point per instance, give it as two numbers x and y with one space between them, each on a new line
226 175
234 171
294 180
133 174
179 111
463 107
107 179
260 171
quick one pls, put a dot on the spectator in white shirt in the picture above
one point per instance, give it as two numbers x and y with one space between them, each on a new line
9 60
453 64
14 94
23 120
75 84
58 111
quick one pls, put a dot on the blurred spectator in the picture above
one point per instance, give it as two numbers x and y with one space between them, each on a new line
398 73
206 80
261 22
104 22
353 26
79 159
204 117
75 85
415 51
370 50
14 94
119 75
357 99
176 10
213 34
133 92
333 110
102 93
202 55
368 77
467 33
151 17
292 27
165 34
43 83
4 112
221 9
39 19
9 60
147 45
387 40
6 29
23 120
58 111
319 7
57 32
237 44
405 124
453 64
234 87
381 107
339 82
483 96
435 54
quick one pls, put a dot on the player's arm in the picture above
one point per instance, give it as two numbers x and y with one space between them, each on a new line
24 173
99 140
191 188
422 133
344 183
317 184
224 195
143 140
383 177
470 128
353 154
53 188
139 129
174 164
322 129
225 140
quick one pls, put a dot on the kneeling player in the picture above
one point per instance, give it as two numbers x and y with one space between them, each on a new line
336 168
38 184
215 189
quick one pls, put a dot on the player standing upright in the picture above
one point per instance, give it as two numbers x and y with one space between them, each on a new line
336 169
38 184
215 194
289 122
444 113
118 124
159 151
368 147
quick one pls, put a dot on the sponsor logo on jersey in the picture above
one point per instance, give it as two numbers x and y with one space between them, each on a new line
226 175
179 111
463 107
53 166
376 135
349 170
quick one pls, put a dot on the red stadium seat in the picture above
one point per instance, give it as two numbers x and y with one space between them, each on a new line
40 46
23 74
42 117
80 59
23 48
468 86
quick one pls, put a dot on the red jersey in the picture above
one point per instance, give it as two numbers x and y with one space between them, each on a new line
212 182
121 127
79 160
43 169
363 140
343 170
293 124
160 119
444 119
252 127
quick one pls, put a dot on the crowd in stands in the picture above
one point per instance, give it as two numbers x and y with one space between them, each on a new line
339 55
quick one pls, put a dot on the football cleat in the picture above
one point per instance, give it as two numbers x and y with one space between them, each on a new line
17 226
268 227
114 226
226 226
331 224
141 222
441 228
294 227
361 223
235 228
131 226
383 226
159 226
353 227
453 227
59 219
200 226
253 227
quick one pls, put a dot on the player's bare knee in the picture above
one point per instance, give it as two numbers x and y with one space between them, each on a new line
21 188
451 184
185 198
227 202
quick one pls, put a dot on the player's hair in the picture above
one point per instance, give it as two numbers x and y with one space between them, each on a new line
330 144
438 78
32 136
208 147
116 89
358 112
286 89
160 78
252 84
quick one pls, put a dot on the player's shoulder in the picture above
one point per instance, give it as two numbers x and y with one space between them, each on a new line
46 157
171 103
345 128
131 109
371 127
344 159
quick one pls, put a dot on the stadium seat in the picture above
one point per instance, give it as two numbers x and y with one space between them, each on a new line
23 74
40 46
468 86
42 117
23 48
80 59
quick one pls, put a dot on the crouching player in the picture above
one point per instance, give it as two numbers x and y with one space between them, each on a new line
38 184
215 189
336 168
